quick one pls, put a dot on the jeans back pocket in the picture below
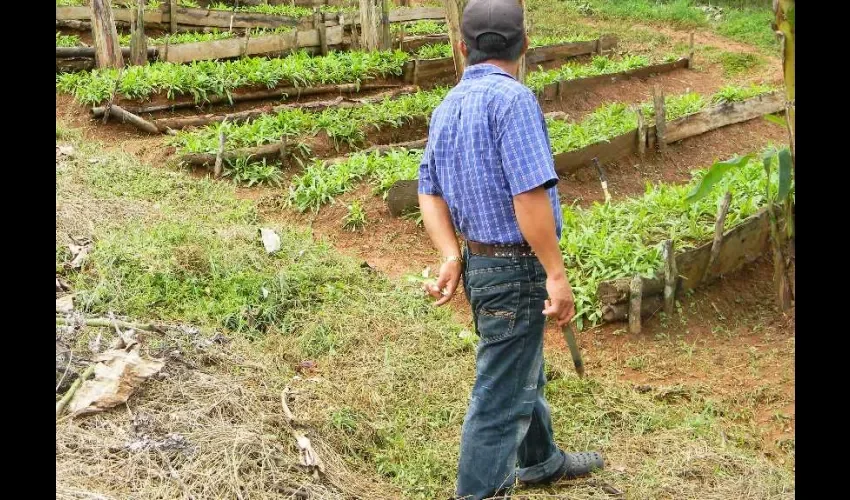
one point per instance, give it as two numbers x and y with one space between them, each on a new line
496 308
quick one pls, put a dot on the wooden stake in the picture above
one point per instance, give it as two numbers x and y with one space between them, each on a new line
283 151
671 276
454 8
691 51
107 49
634 304
602 179
138 40
718 234
641 133
319 24
660 119
401 38
416 71
218 156
369 26
386 38
172 15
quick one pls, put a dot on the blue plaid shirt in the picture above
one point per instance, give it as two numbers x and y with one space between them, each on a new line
488 143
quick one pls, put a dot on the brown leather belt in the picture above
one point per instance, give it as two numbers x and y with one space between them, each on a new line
485 250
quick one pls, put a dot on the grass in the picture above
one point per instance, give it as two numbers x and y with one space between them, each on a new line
386 404
737 63
441 50
202 79
286 10
355 219
67 40
342 125
747 22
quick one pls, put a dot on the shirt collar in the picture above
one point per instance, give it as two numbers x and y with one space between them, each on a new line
483 69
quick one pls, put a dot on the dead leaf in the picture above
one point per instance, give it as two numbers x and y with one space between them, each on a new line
78 255
65 304
64 150
117 375
270 240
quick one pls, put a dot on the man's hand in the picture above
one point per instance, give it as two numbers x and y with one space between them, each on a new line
560 305
444 289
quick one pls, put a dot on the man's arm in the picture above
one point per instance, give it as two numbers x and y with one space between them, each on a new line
438 223
536 223
529 170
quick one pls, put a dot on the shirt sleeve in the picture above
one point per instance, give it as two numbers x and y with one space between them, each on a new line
427 175
523 144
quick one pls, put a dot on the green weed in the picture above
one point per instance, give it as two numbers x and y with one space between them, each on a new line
736 63
355 219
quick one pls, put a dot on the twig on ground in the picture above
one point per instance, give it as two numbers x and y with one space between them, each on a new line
105 322
60 406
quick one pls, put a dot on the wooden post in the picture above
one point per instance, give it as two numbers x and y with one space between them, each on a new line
635 291
283 149
218 157
671 275
691 51
386 39
718 234
319 24
138 41
107 50
454 9
416 71
641 133
369 25
401 38
522 69
660 119
172 15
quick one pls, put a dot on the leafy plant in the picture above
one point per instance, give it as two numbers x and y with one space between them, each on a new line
201 79
355 219
599 65
424 27
342 125
735 63
67 40
251 173
320 182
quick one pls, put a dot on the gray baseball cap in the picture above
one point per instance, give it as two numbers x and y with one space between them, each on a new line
503 17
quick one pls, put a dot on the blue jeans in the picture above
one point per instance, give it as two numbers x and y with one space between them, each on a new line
508 423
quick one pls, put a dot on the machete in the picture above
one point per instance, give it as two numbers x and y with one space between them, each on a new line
570 337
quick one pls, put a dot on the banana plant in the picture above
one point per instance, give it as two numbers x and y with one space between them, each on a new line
784 195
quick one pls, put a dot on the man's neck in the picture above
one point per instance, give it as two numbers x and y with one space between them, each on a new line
509 67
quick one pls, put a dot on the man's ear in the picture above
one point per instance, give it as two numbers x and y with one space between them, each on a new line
463 48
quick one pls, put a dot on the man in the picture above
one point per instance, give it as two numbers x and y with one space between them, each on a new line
488 173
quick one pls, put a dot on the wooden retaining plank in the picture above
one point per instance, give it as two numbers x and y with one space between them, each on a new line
550 92
618 147
539 55
222 19
723 115
236 47
742 244
407 14
123 15
414 43
444 66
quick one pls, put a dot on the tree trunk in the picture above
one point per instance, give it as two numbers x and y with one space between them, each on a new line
454 10
105 35
138 41
784 25
522 69
369 40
